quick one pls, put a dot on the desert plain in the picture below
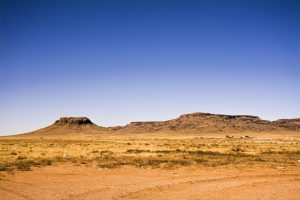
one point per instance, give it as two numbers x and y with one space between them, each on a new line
196 156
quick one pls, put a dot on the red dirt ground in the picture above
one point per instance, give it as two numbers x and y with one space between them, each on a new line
81 182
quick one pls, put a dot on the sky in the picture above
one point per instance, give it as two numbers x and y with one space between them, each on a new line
117 61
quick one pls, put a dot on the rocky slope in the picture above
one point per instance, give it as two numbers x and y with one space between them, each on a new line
206 122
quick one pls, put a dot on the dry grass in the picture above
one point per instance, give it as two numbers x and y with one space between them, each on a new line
23 154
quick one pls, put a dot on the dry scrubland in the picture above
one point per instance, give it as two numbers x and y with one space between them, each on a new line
150 152
196 156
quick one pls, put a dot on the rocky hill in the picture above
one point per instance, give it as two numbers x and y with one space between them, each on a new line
206 122
72 125
188 123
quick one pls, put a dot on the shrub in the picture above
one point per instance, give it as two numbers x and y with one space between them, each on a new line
24 165
4 167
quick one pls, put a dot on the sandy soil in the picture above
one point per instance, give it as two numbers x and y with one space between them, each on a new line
81 182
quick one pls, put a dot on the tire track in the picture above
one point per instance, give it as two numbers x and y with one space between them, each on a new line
159 188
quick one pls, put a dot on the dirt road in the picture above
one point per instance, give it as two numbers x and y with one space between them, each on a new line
81 182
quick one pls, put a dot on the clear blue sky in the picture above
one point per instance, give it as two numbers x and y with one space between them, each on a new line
121 61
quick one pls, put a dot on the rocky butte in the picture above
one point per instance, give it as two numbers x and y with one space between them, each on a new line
73 121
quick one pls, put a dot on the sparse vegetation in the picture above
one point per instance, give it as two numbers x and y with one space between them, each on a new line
166 153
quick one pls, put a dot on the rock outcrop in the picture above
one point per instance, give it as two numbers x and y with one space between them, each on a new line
73 121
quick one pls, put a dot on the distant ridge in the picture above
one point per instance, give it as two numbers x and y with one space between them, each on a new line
289 121
188 123
207 122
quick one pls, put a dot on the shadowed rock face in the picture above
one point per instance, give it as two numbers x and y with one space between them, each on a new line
73 121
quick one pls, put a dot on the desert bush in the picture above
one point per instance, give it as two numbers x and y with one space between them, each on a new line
137 151
4 167
258 159
200 161
24 165
237 149
22 157
181 162
110 165
44 162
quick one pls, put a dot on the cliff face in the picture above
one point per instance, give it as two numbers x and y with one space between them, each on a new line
207 122
73 121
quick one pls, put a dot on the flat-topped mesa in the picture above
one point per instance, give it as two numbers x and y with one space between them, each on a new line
201 114
73 121
71 125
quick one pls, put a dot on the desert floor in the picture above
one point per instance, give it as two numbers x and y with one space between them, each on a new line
81 182
129 167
